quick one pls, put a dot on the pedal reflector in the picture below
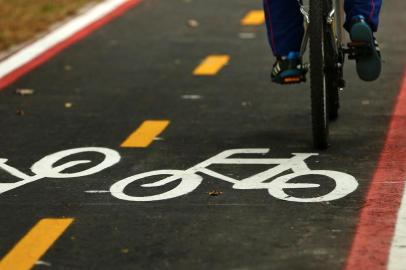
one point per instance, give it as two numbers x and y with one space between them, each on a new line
292 80
358 44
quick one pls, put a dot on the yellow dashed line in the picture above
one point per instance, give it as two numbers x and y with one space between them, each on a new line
211 65
254 17
145 134
34 244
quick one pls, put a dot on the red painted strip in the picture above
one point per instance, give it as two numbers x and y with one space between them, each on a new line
16 74
372 242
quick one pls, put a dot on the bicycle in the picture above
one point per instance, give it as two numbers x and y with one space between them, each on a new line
323 32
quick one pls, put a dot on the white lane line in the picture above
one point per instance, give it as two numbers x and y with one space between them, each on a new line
397 255
57 36
192 97
97 191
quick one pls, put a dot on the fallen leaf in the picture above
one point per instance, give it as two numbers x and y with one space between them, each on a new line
246 104
215 193
193 23
20 112
68 105
124 250
365 102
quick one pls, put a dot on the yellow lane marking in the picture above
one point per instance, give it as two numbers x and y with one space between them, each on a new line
34 244
145 134
254 17
211 65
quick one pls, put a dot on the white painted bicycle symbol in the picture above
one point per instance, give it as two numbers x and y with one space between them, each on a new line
190 179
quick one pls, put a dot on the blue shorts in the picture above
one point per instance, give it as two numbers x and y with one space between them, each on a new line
285 22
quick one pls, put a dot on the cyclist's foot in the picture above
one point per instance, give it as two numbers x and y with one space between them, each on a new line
289 69
367 54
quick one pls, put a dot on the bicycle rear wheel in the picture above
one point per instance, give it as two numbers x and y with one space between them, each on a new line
318 85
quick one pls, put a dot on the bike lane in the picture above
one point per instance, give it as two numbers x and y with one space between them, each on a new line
112 93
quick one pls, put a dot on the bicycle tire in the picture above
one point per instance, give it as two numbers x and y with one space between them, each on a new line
319 110
331 58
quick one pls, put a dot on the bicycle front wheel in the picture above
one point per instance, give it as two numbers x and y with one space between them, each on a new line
318 84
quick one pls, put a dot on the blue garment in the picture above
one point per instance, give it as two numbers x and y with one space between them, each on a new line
285 22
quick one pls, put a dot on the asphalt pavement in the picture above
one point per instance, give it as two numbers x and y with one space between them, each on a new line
139 68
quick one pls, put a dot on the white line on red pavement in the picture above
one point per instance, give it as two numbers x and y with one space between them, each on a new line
397 256
41 50
380 239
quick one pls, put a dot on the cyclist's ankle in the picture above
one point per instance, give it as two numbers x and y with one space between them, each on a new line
288 69
289 56
359 19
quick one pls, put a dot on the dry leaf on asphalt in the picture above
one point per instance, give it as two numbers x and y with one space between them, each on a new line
193 23
215 193
20 112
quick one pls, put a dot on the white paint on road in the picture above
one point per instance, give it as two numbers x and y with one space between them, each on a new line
276 179
57 36
44 263
45 168
397 255
247 35
97 191
189 179
192 97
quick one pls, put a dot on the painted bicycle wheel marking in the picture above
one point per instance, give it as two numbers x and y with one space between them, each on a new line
44 168
190 179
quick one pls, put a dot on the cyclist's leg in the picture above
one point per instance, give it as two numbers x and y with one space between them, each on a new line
369 9
285 26
285 32
362 20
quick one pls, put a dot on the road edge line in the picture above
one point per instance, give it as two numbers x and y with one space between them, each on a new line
377 220
35 54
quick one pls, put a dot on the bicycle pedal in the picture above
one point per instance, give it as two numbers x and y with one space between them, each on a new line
358 48
358 44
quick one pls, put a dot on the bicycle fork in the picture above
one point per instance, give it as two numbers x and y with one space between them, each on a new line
332 18
334 22
306 18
